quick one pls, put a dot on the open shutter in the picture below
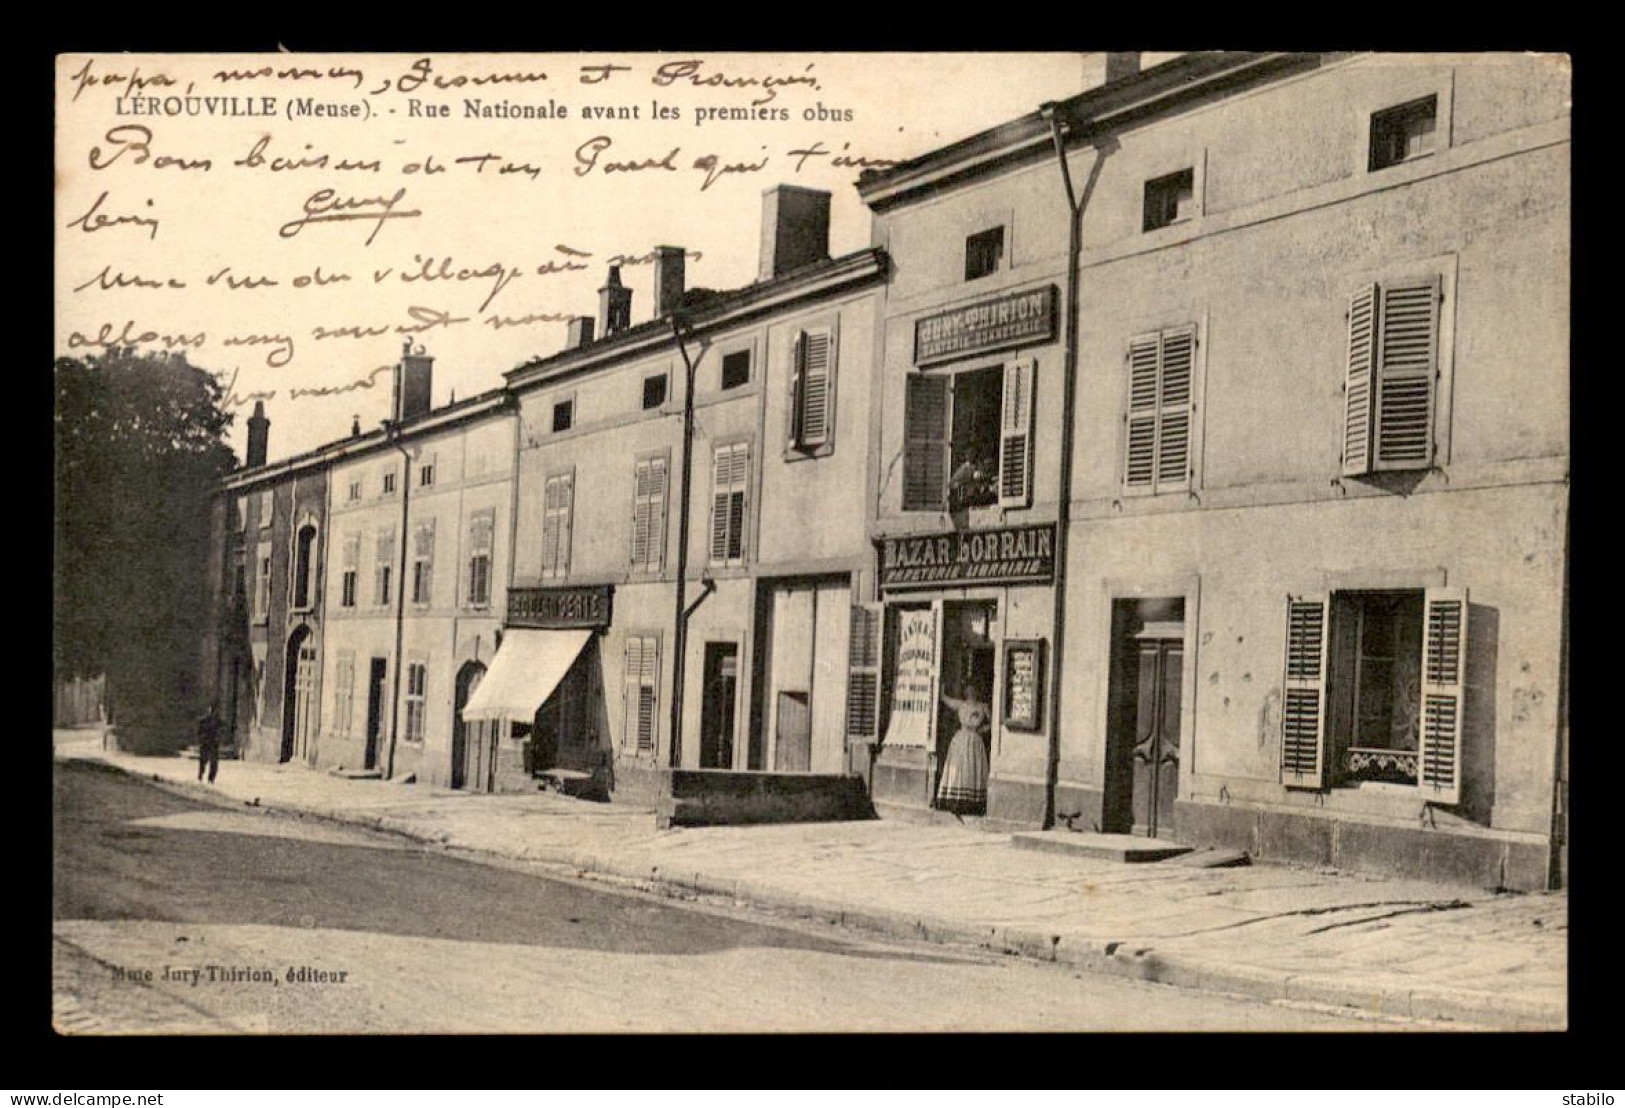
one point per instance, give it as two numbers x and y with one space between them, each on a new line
1406 360
550 526
1140 461
566 511
424 585
1359 397
1303 711
925 443
812 414
1174 410
643 675
1016 436
722 469
1444 665
656 537
633 686
863 673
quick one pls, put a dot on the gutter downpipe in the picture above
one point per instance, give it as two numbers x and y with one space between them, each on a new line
680 633
392 429
1063 509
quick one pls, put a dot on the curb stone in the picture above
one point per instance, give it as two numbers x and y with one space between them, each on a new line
1124 959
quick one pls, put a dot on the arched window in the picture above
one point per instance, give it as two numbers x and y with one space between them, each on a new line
304 565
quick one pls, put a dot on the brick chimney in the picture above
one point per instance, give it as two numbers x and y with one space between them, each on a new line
669 276
580 332
795 230
614 304
414 378
259 434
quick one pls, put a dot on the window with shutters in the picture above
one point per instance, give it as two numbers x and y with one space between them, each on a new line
863 673
967 438
649 515
984 253
351 570
642 694
730 502
1375 682
423 563
481 529
353 492
812 393
389 482
384 568
1161 412
417 691
343 692
558 505
1391 377
1403 133
426 474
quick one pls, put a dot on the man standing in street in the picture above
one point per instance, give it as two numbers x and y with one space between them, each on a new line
208 742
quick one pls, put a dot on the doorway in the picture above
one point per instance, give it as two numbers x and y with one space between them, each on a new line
965 678
298 695
717 705
1144 715
804 625
468 679
375 710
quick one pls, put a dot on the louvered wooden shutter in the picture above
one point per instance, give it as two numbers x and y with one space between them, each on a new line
925 443
730 484
423 545
1444 665
1303 710
810 405
1178 354
550 526
863 673
1359 385
1016 436
649 514
1140 462
566 514
1406 358
642 686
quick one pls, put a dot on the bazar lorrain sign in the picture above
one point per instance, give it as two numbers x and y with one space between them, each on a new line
1016 319
991 555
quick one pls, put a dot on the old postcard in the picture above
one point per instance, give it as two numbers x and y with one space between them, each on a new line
811 542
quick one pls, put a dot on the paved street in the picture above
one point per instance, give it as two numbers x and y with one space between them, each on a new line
381 935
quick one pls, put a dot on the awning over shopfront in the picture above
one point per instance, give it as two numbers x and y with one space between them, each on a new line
529 665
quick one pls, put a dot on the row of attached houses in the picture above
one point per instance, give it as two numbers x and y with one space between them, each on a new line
1208 430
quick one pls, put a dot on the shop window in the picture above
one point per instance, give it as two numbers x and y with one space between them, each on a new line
564 414
984 253
1391 376
423 563
1402 133
558 504
736 369
1375 684
649 515
1161 409
642 693
417 686
812 392
383 569
1169 200
481 529
730 488
654 391
968 438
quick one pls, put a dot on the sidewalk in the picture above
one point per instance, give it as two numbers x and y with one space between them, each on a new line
1400 948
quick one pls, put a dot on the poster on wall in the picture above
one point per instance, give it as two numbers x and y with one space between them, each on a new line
915 693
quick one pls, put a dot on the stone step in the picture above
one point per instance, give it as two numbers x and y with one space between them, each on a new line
1111 848
357 774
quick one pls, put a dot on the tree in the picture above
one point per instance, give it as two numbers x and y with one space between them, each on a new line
140 449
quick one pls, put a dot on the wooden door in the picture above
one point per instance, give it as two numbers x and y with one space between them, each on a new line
1156 735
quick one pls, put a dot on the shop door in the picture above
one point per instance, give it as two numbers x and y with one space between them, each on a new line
717 705
966 673
468 679
375 710
1156 735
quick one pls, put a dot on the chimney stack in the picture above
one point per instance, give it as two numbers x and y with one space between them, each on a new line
259 435
1121 63
580 332
355 427
614 304
669 276
795 230
414 378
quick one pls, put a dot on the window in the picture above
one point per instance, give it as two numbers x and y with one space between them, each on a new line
735 369
984 253
384 569
649 516
1161 403
812 391
267 509
423 563
262 584
240 507
389 482
1170 199
481 527
239 584
426 475
967 438
1393 339
654 391
564 415
354 492
343 692
352 566
1404 132
558 504
417 687
729 495
304 566
1375 686
642 693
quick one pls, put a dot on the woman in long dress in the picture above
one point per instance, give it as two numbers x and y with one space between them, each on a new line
963 786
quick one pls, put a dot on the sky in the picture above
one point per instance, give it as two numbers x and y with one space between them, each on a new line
289 220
